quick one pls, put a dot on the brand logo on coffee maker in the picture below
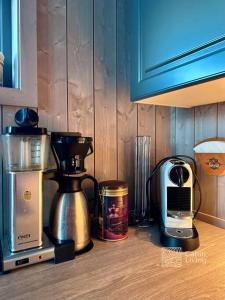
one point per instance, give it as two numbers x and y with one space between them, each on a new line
27 195
24 236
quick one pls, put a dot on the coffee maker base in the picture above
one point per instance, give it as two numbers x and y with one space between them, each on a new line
49 250
14 260
183 239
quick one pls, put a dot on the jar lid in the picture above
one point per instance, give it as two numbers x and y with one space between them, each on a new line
113 188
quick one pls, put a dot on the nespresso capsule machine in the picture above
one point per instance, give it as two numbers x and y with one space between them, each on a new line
176 197
175 210
25 157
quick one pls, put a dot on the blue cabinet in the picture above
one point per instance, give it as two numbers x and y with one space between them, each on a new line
174 44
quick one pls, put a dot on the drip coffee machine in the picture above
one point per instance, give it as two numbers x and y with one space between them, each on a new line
69 214
25 157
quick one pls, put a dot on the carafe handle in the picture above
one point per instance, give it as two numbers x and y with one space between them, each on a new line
96 188
89 153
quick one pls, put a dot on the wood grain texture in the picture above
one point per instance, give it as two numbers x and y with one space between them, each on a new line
105 89
28 51
42 53
80 70
8 114
147 126
221 180
165 131
52 77
136 268
52 64
219 222
206 127
185 134
126 111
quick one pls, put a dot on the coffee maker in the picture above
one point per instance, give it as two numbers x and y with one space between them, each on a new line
70 218
25 157
176 198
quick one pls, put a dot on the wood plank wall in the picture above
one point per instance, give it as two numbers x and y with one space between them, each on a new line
83 85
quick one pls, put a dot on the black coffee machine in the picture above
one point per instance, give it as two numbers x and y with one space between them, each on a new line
70 218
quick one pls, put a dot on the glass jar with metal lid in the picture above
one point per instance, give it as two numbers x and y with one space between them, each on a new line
113 210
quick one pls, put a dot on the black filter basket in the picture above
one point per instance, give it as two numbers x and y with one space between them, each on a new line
70 151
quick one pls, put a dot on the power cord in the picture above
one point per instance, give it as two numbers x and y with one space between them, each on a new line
155 170
200 194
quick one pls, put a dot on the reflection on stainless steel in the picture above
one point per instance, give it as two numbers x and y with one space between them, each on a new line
25 210
70 219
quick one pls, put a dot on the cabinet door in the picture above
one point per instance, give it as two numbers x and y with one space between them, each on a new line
175 44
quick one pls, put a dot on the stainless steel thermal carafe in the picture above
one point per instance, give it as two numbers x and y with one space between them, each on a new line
70 214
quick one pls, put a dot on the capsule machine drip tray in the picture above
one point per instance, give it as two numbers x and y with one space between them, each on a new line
186 239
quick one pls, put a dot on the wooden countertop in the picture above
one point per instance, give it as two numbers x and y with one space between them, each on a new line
135 268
